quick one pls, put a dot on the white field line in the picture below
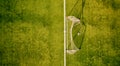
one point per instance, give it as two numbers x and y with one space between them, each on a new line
65 32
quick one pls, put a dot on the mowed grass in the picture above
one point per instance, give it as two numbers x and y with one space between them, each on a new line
31 33
102 37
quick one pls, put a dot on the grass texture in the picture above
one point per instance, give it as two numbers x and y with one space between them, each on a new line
31 33
101 45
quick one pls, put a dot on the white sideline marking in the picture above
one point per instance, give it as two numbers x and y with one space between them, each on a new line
64 6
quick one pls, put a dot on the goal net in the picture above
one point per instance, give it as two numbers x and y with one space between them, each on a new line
75 28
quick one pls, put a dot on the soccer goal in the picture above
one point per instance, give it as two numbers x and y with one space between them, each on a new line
75 28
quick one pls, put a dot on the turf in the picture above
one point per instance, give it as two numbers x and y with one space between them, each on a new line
102 37
31 33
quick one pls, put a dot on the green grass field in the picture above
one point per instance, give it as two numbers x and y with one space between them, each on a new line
31 33
101 45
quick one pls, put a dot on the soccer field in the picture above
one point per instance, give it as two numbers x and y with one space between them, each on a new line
101 44
31 33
